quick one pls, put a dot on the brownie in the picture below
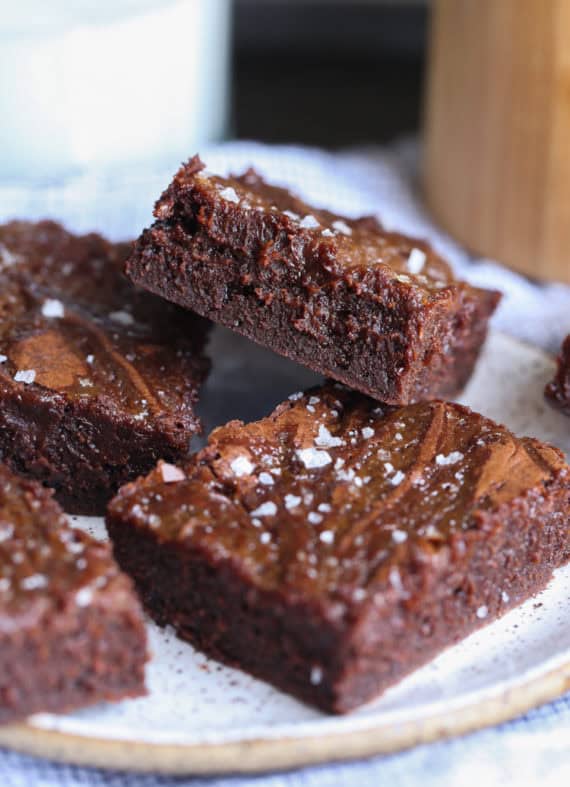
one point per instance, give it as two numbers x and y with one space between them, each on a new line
338 544
558 391
374 309
71 628
97 380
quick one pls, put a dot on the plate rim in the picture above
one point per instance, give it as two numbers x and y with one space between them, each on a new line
277 753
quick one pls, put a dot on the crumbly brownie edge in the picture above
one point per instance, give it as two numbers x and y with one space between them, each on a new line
82 452
79 657
512 558
431 352
335 664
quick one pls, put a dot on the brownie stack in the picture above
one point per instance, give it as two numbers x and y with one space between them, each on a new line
330 548
343 541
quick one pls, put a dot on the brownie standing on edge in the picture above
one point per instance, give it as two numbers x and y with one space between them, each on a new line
97 380
373 309
337 545
558 391
71 628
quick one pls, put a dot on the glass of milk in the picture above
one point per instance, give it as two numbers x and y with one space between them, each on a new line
107 83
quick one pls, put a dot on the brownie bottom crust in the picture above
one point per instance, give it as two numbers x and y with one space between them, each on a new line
337 664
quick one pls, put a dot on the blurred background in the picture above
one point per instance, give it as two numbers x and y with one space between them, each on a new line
328 72
117 81
125 88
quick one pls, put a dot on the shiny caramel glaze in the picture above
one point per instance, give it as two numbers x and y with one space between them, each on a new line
78 330
332 492
340 242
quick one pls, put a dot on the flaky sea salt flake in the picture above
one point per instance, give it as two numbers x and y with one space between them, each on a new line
325 439
229 194
84 597
26 376
342 226
53 308
449 459
265 509
171 474
293 216
309 223
316 676
34 581
313 458
292 501
416 261
241 466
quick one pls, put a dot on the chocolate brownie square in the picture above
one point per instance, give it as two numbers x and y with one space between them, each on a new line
71 628
97 380
558 391
374 309
337 545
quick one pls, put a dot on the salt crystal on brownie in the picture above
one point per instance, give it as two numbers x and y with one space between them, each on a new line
53 308
229 194
342 226
241 466
312 458
309 223
416 261
171 473
26 376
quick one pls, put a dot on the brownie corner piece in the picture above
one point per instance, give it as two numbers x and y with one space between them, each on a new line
72 631
98 379
373 309
557 392
337 545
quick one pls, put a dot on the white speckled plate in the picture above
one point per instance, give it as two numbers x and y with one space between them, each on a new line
201 717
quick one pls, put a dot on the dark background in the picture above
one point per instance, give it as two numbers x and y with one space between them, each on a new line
323 73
